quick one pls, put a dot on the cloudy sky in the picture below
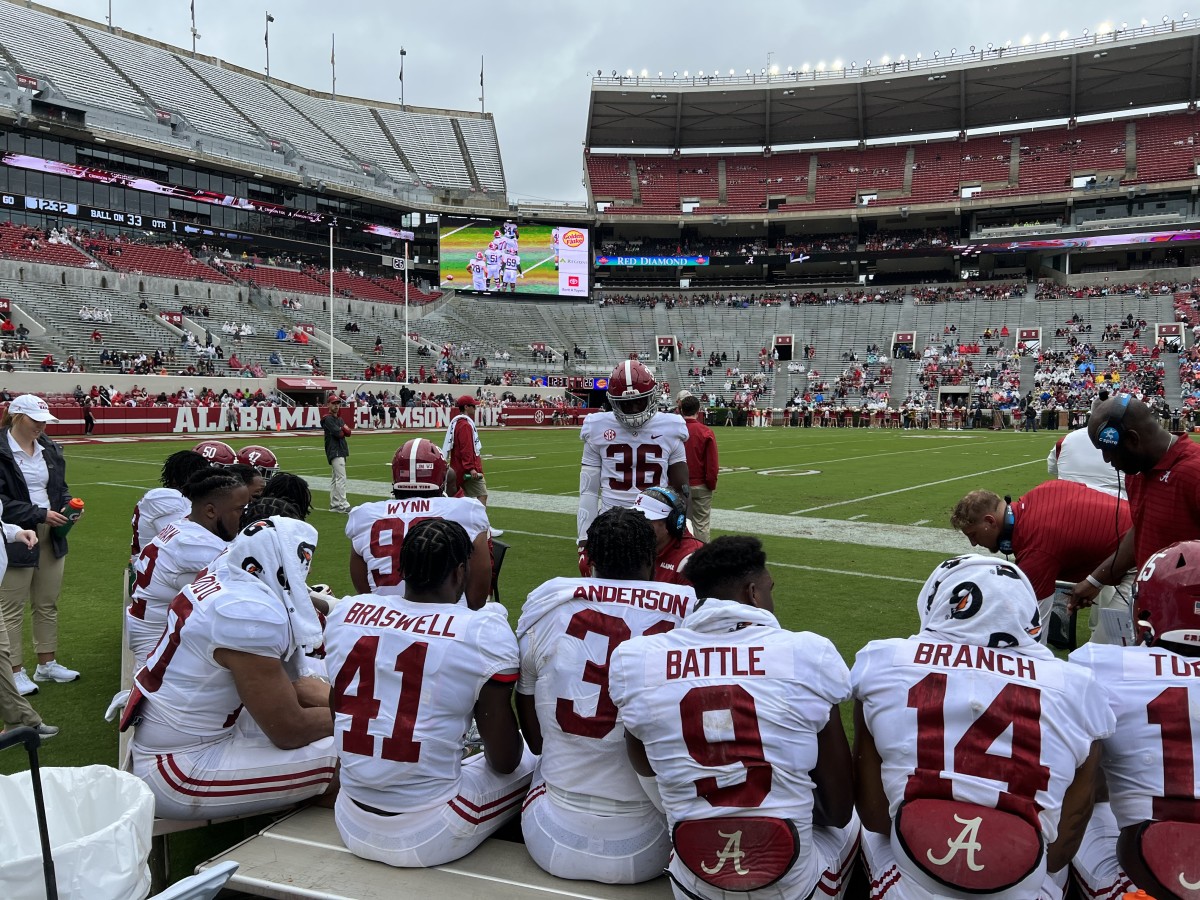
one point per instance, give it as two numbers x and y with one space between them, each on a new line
537 52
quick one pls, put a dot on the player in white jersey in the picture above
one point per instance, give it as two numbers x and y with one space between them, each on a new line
409 672
478 269
493 256
629 449
586 815
180 552
161 506
376 530
1147 836
976 750
556 243
225 727
511 264
734 723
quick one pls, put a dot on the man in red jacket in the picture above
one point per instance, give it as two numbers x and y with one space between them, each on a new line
462 448
701 447
666 511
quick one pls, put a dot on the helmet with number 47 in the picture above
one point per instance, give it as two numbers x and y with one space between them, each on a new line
419 466
631 392
260 458
1167 602
218 453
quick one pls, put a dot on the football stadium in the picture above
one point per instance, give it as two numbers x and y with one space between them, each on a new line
810 511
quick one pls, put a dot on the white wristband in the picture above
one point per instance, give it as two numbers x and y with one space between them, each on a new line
1094 583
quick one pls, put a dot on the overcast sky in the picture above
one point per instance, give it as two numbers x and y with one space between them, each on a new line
537 52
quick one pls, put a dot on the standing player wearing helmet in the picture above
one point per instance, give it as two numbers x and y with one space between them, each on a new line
629 449
586 815
179 552
1148 833
494 257
218 453
976 750
377 529
478 269
666 512
462 448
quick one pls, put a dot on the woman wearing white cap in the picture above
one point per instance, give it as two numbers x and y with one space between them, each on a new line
33 488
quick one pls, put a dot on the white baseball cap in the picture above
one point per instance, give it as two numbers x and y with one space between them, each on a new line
33 406
652 508
682 395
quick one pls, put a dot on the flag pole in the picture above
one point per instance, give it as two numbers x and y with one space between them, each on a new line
331 226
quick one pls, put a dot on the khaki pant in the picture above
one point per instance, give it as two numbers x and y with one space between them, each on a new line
14 709
337 485
475 487
700 511
38 587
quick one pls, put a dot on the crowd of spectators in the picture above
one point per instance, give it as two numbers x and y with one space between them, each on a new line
964 293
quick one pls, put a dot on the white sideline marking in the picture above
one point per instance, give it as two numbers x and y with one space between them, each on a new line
535 265
915 487
859 516
921 522
871 534
748 506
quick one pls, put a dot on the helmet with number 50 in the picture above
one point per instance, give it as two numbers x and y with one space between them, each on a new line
631 392
260 458
419 467
1167 603
218 453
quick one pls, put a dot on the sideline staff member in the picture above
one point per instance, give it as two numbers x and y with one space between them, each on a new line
462 448
337 452
701 447
33 487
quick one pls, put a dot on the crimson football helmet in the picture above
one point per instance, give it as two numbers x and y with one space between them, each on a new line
419 466
631 392
1167 602
260 458
218 453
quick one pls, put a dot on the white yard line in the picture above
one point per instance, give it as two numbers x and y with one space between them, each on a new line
915 487
748 506
535 265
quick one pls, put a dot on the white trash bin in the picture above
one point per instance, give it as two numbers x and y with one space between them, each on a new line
101 822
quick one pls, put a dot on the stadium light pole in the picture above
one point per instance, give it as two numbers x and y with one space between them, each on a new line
267 41
407 237
332 225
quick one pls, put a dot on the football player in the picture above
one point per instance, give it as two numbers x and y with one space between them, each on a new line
377 529
629 449
410 672
225 726
218 453
249 476
260 458
163 506
733 723
586 815
179 552
478 269
493 257
666 512
511 264
1148 833
976 750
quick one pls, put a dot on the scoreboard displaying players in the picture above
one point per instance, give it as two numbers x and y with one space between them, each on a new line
495 257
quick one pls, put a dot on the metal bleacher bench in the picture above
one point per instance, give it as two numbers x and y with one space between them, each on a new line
303 856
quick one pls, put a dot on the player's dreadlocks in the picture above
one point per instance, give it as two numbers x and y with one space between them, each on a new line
432 550
181 466
621 544
722 566
292 488
205 483
265 507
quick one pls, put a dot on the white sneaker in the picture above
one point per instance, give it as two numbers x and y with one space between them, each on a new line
54 671
24 685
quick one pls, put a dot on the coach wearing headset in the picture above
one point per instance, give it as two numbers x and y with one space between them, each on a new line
666 511
1162 478
1058 531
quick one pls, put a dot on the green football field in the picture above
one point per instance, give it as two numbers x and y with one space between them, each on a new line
853 522
459 245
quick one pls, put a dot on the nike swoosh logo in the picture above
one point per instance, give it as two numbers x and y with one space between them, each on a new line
655 437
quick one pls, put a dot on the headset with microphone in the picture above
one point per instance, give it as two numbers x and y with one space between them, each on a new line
1110 433
677 519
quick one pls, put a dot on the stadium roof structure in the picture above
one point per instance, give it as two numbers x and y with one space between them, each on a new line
1151 66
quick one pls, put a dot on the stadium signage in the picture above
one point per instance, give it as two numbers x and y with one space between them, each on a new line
652 260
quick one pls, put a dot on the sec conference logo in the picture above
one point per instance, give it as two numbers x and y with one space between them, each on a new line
610 435
574 238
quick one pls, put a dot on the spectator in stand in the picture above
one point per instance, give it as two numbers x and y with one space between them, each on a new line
337 452
701 447
33 489
7 327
